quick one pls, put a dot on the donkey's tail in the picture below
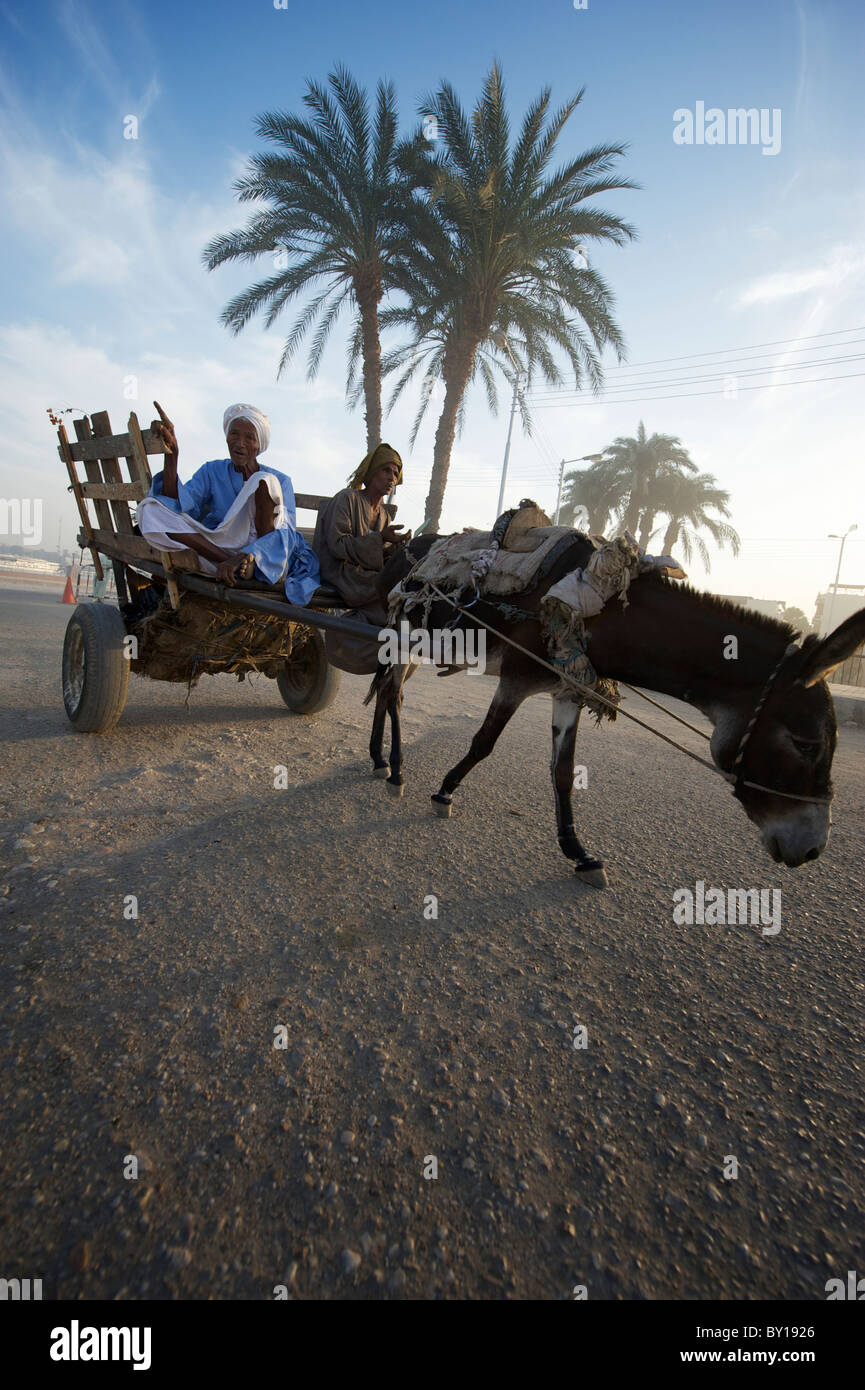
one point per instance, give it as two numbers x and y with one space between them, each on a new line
390 682
383 674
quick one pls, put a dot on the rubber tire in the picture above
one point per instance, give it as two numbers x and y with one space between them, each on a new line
101 629
310 685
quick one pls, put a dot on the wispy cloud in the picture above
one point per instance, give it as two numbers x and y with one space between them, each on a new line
13 19
842 265
90 46
107 73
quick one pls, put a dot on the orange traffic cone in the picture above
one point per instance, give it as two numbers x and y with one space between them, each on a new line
68 596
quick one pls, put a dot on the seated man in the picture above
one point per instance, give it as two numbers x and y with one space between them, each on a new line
236 514
354 536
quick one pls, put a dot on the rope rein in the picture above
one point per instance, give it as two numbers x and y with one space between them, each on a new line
569 680
734 778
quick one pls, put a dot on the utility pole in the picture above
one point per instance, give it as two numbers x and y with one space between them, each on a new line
842 539
559 493
508 447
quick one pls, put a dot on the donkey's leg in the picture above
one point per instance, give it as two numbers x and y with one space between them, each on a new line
506 701
395 780
394 704
383 679
566 719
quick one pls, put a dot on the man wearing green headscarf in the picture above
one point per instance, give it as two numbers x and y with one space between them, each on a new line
354 534
354 537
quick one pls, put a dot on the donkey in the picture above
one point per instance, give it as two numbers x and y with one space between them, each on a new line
766 695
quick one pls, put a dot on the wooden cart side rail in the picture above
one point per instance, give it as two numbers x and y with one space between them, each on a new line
316 502
292 612
258 603
129 550
310 501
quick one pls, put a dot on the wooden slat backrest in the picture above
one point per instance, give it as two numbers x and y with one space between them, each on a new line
94 475
86 537
114 492
115 445
110 465
139 470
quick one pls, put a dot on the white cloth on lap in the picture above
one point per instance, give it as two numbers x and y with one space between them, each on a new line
234 533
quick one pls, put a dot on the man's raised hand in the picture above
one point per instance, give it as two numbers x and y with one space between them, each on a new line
163 429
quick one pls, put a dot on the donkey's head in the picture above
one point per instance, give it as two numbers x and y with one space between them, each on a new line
790 747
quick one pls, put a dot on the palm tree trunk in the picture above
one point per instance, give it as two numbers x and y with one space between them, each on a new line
647 523
456 376
632 512
368 307
671 535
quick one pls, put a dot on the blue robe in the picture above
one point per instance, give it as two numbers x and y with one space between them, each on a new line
207 498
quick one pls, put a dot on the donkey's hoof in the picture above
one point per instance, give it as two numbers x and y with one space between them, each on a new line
593 873
395 788
381 771
441 806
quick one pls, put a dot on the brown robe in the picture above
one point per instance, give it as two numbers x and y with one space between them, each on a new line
349 546
351 553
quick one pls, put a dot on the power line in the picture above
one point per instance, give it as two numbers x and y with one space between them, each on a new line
749 347
550 475
635 400
546 439
730 365
712 376
544 443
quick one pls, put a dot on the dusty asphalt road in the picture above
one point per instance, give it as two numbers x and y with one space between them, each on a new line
407 1037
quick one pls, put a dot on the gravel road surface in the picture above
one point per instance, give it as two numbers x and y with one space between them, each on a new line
325 1086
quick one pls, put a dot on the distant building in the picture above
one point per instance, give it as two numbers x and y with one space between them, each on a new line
769 607
832 609
12 561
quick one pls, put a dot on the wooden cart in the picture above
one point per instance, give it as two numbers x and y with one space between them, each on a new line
173 622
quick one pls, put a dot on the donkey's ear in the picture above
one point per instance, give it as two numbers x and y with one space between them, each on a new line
826 656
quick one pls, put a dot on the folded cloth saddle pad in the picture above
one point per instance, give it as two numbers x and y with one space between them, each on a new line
449 562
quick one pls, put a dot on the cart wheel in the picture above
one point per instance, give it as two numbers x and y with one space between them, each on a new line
95 668
307 682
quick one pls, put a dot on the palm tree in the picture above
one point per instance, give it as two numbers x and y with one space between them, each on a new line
645 457
602 489
687 501
796 618
339 215
492 285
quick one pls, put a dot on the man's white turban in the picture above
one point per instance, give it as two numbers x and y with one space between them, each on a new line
255 417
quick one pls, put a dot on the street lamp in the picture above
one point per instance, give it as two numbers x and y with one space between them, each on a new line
842 539
586 458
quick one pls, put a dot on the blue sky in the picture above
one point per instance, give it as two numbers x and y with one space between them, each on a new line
102 280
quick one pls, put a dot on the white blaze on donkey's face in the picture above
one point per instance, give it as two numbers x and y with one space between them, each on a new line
795 838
